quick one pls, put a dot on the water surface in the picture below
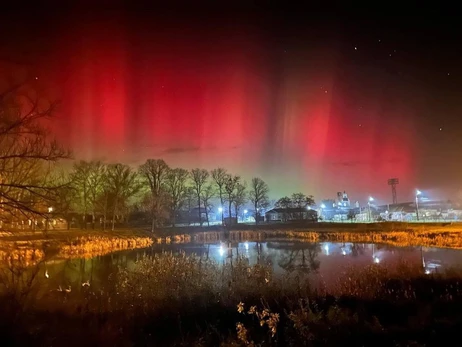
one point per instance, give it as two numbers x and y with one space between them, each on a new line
324 262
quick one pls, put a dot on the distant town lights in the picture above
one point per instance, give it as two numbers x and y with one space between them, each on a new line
220 209
323 206
245 211
371 199
418 192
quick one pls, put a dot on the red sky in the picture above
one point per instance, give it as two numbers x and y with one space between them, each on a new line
305 112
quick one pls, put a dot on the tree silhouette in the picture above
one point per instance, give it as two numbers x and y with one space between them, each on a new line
155 172
199 179
26 154
258 195
220 177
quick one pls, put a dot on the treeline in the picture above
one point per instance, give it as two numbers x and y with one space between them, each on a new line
33 186
114 190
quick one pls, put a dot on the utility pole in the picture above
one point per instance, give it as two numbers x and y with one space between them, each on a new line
393 182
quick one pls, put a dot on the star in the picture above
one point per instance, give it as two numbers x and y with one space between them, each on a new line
356 48
360 125
325 91
448 73
380 40
441 129
37 77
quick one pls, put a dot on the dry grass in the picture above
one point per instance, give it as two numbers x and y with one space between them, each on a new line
91 246
30 248
431 238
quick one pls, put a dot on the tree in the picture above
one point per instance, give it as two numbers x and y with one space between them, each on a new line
96 187
154 172
66 196
300 200
26 185
258 195
239 197
284 202
176 190
123 184
199 178
88 178
207 194
220 176
231 183
190 200
80 178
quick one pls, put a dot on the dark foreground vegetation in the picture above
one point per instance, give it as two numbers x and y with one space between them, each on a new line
178 300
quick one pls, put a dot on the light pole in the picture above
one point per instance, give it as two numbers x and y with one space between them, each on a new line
50 209
417 193
220 210
320 212
369 205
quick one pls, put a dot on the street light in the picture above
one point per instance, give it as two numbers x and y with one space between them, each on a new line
50 209
417 193
369 205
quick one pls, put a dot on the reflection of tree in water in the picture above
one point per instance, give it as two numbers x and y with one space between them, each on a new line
300 258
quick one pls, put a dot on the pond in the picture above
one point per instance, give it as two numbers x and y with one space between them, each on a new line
322 262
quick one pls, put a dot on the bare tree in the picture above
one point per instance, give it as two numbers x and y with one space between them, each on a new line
123 183
190 200
26 187
80 178
285 203
66 197
96 181
176 190
230 188
154 172
220 177
239 197
88 178
199 178
300 200
258 195
207 194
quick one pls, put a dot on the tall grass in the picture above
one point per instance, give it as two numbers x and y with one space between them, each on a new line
174 299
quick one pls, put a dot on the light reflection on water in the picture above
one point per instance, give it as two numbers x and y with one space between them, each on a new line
324 262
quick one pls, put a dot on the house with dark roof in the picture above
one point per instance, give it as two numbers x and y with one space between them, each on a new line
291 214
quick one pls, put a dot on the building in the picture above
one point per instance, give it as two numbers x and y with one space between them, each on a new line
291 214
343 200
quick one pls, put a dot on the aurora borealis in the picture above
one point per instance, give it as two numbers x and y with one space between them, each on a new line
309 104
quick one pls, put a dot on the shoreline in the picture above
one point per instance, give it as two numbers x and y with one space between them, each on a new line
29 248
32 247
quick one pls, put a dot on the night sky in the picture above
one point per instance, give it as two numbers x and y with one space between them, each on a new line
313 101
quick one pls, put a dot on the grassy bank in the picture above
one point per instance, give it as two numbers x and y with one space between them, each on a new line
31 247
396 234
187 301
